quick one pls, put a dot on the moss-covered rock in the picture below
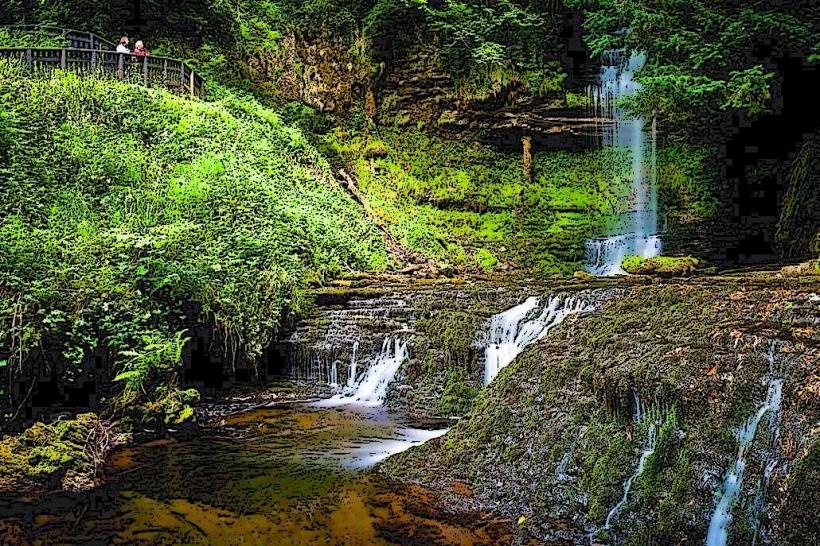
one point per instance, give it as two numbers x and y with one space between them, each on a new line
664 266
45 455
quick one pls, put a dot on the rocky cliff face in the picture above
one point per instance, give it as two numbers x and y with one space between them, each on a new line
651 395
332 76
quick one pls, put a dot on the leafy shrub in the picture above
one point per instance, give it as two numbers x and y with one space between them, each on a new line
129 214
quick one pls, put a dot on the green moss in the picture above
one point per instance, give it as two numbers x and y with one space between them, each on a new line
687 184
452 332
457 397
43 453
606 462
802 498
485 259
660 265
452 199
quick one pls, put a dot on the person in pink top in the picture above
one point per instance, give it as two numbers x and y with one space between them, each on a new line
139 49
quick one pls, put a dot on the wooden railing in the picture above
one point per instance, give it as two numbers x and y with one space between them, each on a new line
91 55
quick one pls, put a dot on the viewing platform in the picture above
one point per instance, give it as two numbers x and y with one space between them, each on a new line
88 54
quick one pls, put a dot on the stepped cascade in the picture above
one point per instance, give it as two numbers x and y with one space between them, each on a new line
371 388
511 331
636 231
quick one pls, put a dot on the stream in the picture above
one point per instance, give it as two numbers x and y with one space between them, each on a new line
296 474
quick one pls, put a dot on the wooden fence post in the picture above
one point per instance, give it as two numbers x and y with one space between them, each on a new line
165 72
63 63
121 66
145 71
193 90
182 82
29 59
93 60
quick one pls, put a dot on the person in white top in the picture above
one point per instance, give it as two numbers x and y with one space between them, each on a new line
123 45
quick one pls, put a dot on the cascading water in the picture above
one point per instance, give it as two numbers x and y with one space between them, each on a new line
371 389
514 329
646 452
351 376
334 375
637 231
648 449
722 516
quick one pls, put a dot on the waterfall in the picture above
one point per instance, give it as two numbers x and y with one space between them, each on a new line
722 516
646 452
637 232
371 389
334 375
648 449
351 376
511 331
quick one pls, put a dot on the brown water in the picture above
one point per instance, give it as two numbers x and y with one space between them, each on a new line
296 475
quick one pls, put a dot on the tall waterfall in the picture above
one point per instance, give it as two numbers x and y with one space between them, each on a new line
722 516
371 389
514 329
637 231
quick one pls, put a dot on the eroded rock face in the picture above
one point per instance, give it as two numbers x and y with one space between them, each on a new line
325 72
674 371
320 71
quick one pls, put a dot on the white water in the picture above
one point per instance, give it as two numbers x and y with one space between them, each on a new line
638 234
334 375
351 376
371 389
511 331
368 453
648 449
722 516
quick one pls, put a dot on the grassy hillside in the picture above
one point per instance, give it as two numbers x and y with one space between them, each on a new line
129 214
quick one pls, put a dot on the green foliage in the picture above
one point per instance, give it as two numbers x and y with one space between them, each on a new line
576 100
156 355
699 60
131 214
11 37
469 206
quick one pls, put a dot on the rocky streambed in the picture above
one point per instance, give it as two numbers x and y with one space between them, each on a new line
631 411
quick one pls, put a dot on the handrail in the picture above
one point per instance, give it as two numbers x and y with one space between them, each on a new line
149 71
